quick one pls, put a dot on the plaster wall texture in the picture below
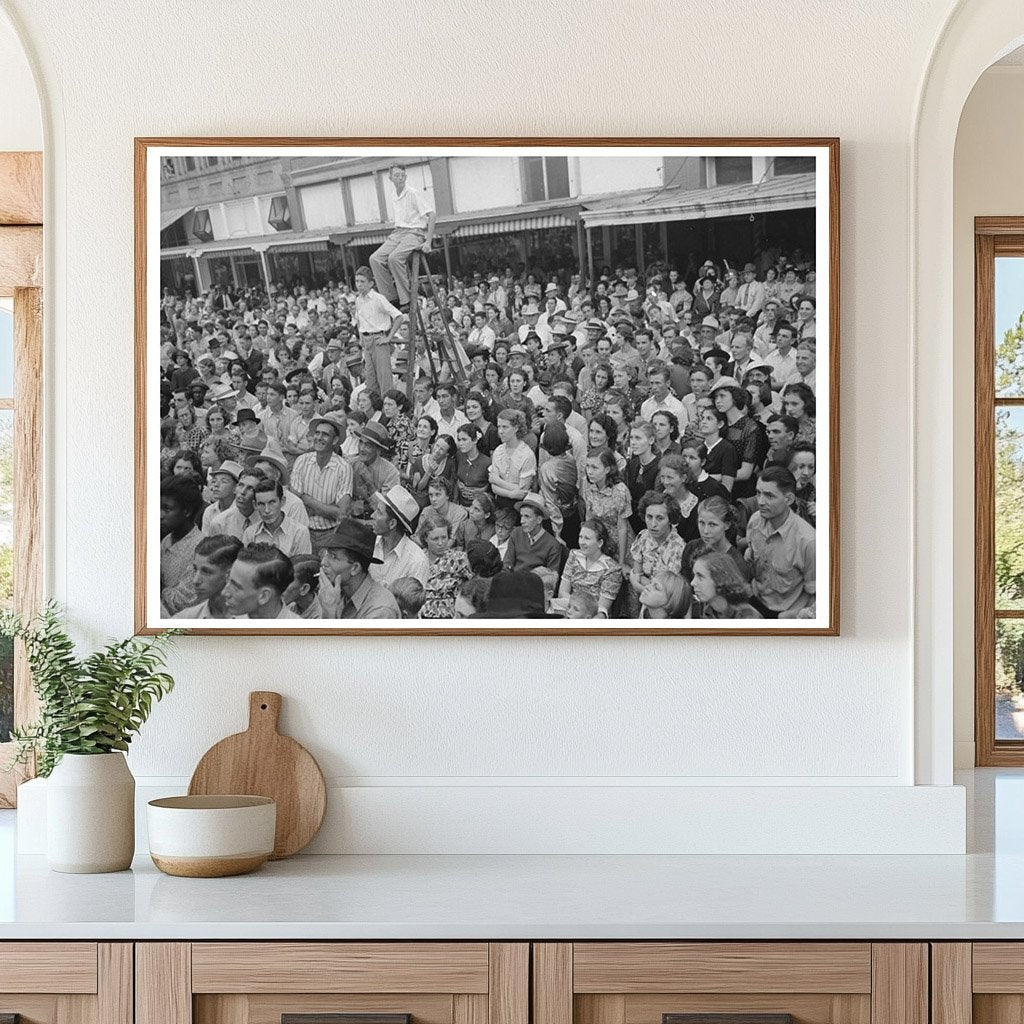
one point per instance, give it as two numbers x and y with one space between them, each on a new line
480 711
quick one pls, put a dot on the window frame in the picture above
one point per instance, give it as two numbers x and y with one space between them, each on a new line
993 237
523 178
21 260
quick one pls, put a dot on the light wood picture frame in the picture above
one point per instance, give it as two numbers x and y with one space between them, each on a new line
207 213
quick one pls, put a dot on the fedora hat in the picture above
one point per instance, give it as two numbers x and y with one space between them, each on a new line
375 434
515 595
273 454
534 501
229 468
245 415
222 391
352 535
710 321
402 504
330 419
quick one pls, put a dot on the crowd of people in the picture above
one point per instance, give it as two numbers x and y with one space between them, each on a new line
623 448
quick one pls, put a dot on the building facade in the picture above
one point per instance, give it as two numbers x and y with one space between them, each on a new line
261 220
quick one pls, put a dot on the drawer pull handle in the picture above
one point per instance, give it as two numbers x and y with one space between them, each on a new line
341 1018
726 1018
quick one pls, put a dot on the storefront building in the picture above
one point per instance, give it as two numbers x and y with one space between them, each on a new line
257 221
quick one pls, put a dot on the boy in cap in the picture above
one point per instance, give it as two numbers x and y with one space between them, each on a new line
223 481
530 545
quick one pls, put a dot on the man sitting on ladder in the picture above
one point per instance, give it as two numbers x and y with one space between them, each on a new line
414 229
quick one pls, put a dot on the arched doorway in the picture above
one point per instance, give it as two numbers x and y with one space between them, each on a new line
977 33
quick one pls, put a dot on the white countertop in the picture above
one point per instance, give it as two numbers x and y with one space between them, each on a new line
516 897
976 896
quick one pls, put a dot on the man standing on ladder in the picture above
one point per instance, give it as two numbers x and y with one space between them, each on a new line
378 322
414 229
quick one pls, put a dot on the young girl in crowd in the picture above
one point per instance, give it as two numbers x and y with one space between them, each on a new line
666 596
720 589
716 524
605 497
591 569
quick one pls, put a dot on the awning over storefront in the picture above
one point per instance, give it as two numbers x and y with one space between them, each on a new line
788 192
217 253
168 217
500 227
310 245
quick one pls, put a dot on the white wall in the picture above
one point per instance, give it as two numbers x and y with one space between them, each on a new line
600 175
987 181
21 126
435 718
484 182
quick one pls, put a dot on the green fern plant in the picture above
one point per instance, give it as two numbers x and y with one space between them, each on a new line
90 705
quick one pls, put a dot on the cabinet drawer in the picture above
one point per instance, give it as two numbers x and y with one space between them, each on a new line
729 983
332 983
636 967
340 967
64 967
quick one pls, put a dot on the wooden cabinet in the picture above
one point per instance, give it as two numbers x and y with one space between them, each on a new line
311 983
758 982
66 982
512 983
977 982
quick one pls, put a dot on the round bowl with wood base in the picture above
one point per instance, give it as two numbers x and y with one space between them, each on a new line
211 836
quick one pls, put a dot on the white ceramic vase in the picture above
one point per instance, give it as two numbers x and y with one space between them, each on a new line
90 814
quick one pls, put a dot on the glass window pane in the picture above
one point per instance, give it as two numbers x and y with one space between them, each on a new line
6 353
1009 518
6 567
1009 679
794 165
558 177
733 170
1009 338
533 179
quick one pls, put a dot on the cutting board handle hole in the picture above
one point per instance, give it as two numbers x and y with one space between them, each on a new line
263 707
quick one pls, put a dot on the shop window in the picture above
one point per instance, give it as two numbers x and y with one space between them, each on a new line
279 217
190 163
545 177
167 169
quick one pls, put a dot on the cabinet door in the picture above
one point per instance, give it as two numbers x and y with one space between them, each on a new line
332 983
730 983
66 982
981 982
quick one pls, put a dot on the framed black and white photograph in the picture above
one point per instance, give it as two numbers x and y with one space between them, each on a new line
504 386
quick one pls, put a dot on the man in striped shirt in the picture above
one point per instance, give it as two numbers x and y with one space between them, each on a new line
323 480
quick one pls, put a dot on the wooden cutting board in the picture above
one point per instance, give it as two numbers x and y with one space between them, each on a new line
262 762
